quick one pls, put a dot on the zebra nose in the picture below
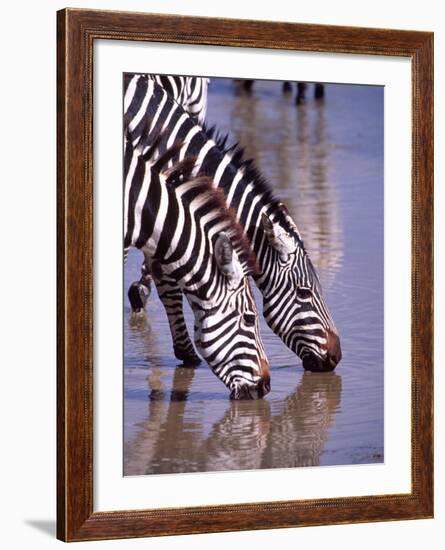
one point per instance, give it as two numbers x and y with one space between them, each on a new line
264 384
263 388
333 348
264 367
313 363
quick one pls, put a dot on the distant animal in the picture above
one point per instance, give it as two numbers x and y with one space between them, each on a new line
188 237
293 305
300 97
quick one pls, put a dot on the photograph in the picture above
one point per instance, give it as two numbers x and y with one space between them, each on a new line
253 269
244 274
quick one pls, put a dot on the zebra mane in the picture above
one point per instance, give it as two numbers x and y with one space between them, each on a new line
182 172
262 186
215 200
252 173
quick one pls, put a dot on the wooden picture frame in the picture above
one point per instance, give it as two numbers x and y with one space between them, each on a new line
77 31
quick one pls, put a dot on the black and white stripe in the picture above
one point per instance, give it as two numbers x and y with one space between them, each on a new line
189 91
293 305
191 94
189 238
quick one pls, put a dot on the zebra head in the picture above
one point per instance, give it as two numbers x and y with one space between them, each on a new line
294 307
226 324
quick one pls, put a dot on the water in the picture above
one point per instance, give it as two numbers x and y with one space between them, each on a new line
325 161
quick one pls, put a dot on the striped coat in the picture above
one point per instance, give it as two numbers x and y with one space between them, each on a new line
186 234
293 305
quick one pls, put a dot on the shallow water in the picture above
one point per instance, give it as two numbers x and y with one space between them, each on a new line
325 161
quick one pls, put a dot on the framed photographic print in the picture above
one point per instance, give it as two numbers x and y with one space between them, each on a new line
245 227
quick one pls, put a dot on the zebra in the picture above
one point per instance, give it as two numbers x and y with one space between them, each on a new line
300 97
293 305
191 93
187 235
248 435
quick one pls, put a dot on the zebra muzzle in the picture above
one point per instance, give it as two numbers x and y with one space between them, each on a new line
314 363
246 390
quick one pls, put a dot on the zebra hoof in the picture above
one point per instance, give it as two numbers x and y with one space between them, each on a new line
191 362
138 294
189 359
287 87
319 91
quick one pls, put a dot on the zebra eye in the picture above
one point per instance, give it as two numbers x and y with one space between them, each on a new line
249 319
304 293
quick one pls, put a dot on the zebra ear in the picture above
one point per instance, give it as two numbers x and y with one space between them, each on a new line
226 259
278 237
288 217
267 225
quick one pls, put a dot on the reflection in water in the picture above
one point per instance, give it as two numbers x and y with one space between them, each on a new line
325 161
239 439
318 214
299 168
249 435
300 429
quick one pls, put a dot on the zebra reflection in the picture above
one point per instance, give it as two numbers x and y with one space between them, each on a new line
176 437
289 434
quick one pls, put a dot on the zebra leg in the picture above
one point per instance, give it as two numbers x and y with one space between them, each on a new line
287 87
301 93
248 85
171 297
319 91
